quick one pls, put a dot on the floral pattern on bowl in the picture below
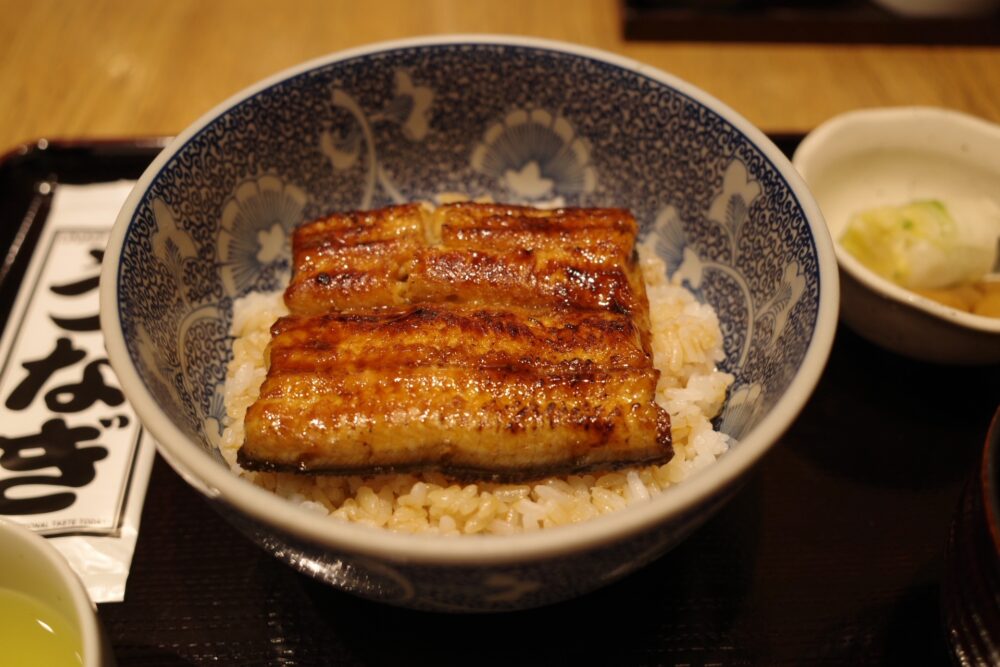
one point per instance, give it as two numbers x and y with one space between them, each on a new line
752 323
533 155
255 230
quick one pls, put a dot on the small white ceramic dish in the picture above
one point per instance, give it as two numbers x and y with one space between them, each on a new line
30 566
888 157
939 8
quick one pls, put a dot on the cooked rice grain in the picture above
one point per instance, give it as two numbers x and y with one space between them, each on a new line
687 345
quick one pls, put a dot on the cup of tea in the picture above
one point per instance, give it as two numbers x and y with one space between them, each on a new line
46 616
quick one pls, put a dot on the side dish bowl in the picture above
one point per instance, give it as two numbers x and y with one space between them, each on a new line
514 119
878 157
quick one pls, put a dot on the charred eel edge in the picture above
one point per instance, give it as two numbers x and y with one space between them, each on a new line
469 474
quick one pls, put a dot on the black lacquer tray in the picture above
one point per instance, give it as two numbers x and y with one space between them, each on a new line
833 552
800 21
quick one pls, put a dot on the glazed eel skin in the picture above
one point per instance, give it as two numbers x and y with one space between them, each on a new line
484 341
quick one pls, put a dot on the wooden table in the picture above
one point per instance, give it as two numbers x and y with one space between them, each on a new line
117 68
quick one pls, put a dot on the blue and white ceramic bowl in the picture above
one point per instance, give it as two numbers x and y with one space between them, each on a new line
516 119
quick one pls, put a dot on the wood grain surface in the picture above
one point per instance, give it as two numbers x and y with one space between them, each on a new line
114 68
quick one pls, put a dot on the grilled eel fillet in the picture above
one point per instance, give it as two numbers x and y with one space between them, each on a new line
483 341
479 253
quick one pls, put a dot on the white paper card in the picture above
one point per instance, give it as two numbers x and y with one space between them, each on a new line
74 459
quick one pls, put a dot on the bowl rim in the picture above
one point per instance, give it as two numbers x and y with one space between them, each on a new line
811 149
207 474
91 637
989 478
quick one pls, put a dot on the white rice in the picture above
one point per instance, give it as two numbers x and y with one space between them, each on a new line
687 344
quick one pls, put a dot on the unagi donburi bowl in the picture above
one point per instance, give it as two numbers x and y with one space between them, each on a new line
509 118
